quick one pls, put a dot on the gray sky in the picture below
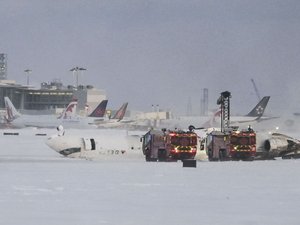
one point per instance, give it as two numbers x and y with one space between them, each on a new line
159 52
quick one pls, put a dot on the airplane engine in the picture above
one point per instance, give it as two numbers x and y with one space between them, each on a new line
276 145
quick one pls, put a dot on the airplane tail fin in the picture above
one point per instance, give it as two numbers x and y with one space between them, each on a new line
212 121
70 111
121 112
99 111
11 111
259 109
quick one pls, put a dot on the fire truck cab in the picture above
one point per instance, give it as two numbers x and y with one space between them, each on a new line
166 145
230 145
242 145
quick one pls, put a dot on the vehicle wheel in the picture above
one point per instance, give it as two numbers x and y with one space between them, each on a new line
222 155
148 158
209 154
249 158
162 155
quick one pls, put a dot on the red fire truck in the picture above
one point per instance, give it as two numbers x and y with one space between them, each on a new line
166 145
242 145
232 145
229 143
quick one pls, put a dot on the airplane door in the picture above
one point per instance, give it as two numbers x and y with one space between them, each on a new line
89 143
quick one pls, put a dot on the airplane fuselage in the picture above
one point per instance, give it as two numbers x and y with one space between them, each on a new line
98 146
51 121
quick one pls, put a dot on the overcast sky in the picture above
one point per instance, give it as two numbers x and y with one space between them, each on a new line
161 51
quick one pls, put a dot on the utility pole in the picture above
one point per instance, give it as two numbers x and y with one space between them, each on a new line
28 72
204 103
76 70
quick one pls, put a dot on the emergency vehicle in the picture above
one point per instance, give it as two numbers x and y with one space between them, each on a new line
167 145
229 143
232 145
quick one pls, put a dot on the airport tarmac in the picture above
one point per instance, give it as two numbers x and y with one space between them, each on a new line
39 186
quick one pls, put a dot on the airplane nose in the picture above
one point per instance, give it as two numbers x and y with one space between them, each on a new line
54 143
66 146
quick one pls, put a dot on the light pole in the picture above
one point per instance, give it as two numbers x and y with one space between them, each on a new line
76 70
28 72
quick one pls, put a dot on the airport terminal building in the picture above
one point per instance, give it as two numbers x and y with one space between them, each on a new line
50 97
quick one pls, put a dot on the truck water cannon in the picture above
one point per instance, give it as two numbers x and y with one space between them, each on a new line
224 101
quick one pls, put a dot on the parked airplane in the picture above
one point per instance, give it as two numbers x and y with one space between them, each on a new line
119 115
68 114
103 145
99 111
117 120
255 115
68 117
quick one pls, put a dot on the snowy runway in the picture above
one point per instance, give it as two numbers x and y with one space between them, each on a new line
38 186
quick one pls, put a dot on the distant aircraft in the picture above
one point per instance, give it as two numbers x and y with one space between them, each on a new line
69 112
117 120
119 115
19 120
99 111
101 145
255 115
68 118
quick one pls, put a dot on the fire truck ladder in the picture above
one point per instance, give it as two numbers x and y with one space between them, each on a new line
224 101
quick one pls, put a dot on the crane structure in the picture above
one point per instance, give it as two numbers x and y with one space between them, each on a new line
255 89
224 101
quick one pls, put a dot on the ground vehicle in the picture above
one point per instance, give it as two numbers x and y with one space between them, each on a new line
243 144
230 145
166 145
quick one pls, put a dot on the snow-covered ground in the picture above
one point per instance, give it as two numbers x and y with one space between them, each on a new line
40 187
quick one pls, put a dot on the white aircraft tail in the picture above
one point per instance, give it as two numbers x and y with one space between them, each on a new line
70 111
212 120
11 111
